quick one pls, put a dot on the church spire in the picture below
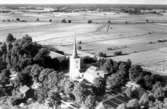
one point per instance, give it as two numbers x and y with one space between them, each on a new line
75 54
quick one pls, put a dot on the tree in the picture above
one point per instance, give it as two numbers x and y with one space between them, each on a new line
79 47
42 56
118 53
63 21
99 88
101 54
10 38
144 100
159 93
80 92
35 72
135 73
37 19
116 80
50 20
54 99
90 102
122 106
68 87
18 19
107 67
90 21
147 21
41 94
69 21
4 77
133 104
129 92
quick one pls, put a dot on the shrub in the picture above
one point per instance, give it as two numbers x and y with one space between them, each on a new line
18 19
80 42
37 19
63 21
79 47
117 53
126 22
90 21
110 49
101 54
69 21
109 21
50 20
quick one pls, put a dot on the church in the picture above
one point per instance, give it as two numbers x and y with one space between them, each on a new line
75 64
75 67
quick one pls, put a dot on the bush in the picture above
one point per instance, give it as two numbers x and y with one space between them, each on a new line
18 19
80 42
90 21
126 22
79 47
109 21
69 21
50 20
117 53
101 54
63 21
37 19
160 41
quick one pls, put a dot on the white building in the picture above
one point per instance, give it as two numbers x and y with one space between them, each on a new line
92 73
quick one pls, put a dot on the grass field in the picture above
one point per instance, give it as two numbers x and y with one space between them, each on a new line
139 42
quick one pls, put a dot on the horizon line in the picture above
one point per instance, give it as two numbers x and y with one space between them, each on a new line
80 4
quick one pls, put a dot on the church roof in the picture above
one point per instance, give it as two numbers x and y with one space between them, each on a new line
75 54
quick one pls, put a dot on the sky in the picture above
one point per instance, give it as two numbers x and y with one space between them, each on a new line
83 1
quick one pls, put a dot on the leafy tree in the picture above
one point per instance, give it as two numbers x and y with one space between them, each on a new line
156 85
115 80
42 56
99 88
54 99
69 21
18 19
35 72
135 73
68 87
90 102
101 54
122 106
146 82
129 92
50 20
4 77
37 19
159 93
144 100
80 92
10 38
133 104
90 21
63 21
51 82
41 94
108 66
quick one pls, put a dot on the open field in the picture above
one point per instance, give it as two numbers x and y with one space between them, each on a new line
139 42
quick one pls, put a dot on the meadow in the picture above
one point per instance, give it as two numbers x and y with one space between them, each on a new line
143 43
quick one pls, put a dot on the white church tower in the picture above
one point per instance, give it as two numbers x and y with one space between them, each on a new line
75 62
